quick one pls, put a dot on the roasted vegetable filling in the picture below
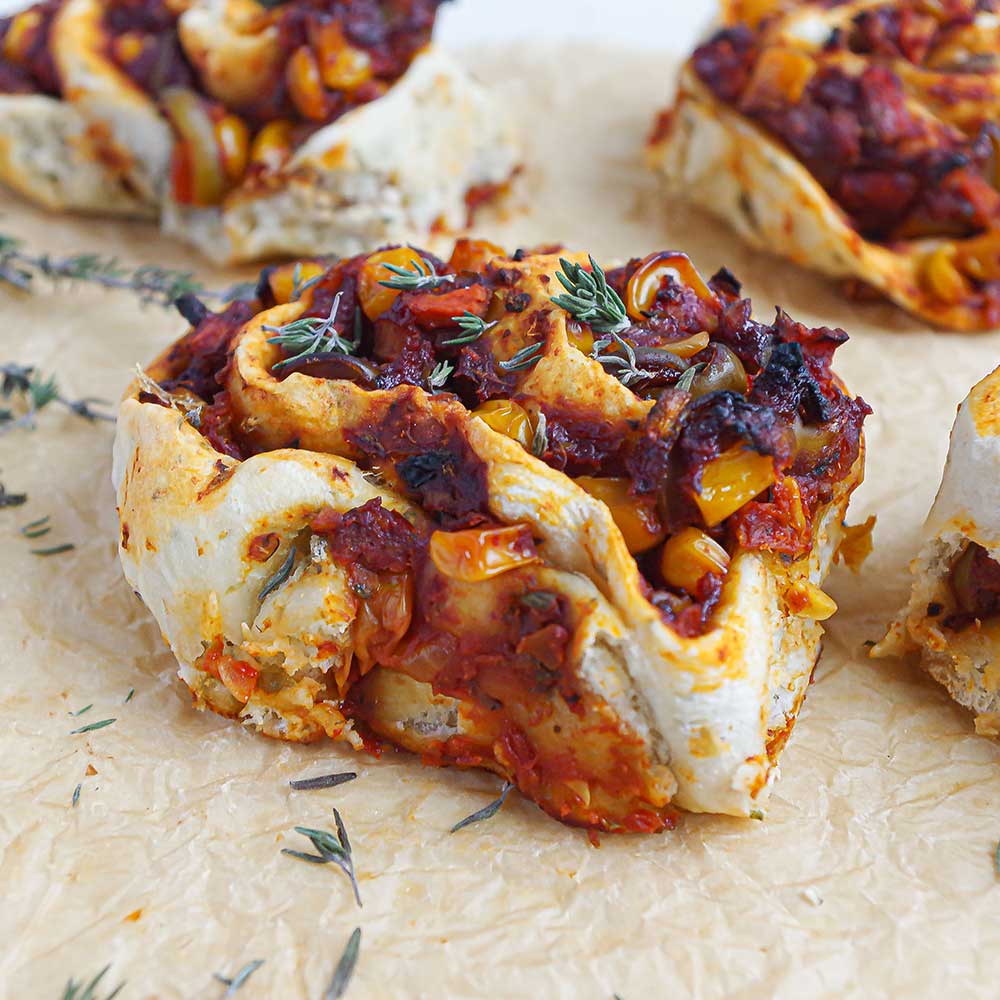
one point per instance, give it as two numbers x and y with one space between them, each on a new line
975 590
893 114
239 112
736 434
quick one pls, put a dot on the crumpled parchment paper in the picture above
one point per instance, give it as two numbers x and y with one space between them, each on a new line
872 875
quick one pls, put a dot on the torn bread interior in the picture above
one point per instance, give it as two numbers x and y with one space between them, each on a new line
952 619
858 138
252 130
510 512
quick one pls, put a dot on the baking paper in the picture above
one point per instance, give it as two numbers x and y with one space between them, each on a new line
872 876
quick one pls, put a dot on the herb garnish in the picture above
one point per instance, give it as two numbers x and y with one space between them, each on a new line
419 277
36 392
232 985
438 378
284 572
80 711
36 529
996 858
331 849
76 794
322 781
541 600
524 358
93 725
472 327
311 335
540 439
129 696
590 299
345 967
687 378
300 287
157 285
487 812
89 992
10 499
54 550
625 369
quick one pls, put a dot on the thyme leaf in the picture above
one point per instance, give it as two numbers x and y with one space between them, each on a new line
590 299
540 439
311 335
330 849
284 572
36 529
524 358
345 967
129 696
54 550
472 327
78 991
232 985
687 378
153 285
438 378
623 366
10 499
322 781
92 726
80 711
76 794
419 277
541 600
300 287
996 858
487 812
35 392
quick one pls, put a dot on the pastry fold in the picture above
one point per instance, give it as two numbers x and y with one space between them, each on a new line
465 523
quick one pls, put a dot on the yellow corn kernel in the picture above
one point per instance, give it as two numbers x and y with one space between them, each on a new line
806 600
730 481
942 279
19 35
374 297
581 337
640 293
475 555
688 556
233 137
689 346
341 65
282 279
305 86
272 144
780 74
507 417
635 516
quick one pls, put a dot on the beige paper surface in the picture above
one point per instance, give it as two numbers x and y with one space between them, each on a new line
872 876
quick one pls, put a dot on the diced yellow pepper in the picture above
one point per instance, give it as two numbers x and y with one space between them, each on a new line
688 556
942 279
507 417
475 555
635 516
730 481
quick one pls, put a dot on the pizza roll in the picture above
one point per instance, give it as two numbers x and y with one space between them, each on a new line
251 131
952 620
509 512
856 138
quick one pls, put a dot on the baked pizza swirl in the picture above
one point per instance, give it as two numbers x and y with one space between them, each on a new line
507 512
859 138
309 125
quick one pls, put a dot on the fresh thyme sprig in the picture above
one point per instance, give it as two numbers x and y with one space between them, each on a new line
624 368
418 277
37 529
330 849
345 967
472 327
154 285
487 812
323 781
687 379
35 392
283 573
78 991
8 499
590 299
311 335
540 439
524 358
438 378
232 985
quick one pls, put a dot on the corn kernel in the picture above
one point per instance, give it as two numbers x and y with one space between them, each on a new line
507 417
942 279
272 144
305 86
730 481
642 288
233 138
475 555
19 35
806 600
282 279
341 65
635 516
374 297
688 556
